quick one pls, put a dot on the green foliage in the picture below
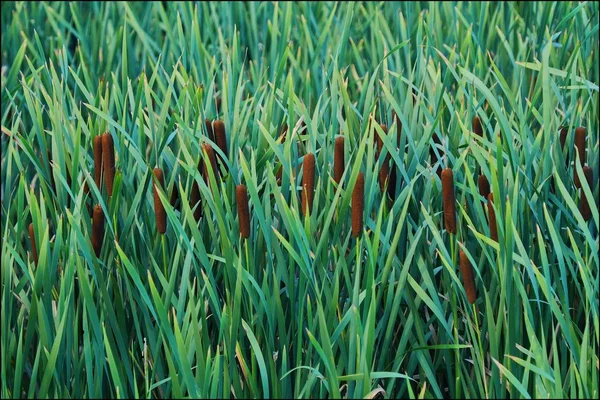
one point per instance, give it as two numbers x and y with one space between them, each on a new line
300 309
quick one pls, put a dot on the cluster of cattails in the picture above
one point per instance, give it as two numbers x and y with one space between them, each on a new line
308 183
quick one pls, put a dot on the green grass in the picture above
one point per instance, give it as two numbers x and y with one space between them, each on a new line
300 308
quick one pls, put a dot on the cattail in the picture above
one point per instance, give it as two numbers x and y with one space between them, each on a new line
358 205
159 208
492 218
564 131
338 159
308 183
218 104
33 244
466 270
241 194
98 161
220 136
580 144
384 171
97 229
584 203
210 153
484 187
433 155
209 129
108 160
477 128
448 197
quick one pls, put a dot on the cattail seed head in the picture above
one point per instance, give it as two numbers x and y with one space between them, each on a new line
98 161
492 218
159 208
358 205
477 128
241 194
338 159
108 160
466 270
97 229
484 186
564 131
220 136
449 201
210 153
34 252
308 183
584 202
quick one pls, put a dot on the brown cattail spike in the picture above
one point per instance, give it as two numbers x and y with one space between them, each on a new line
159 208
492 218
220 136
241 194
477 128
584 202
449 202
432 153
338 159
34 252
466 270
308 183
210 153
97 229
98 161
564 131
108 159
358 205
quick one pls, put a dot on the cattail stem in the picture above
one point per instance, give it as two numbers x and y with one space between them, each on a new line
584 202
338 159
466 270
358 205
108 160
98 161
33 244
159 208
241 194
308 183
492 218
449 201
97 229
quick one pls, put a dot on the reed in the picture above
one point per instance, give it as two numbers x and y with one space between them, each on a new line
338 159
466 270
241 194
33 244
97 229
584 202
308 183
492 218
98 161
108 160
358 205
159 208
449 200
